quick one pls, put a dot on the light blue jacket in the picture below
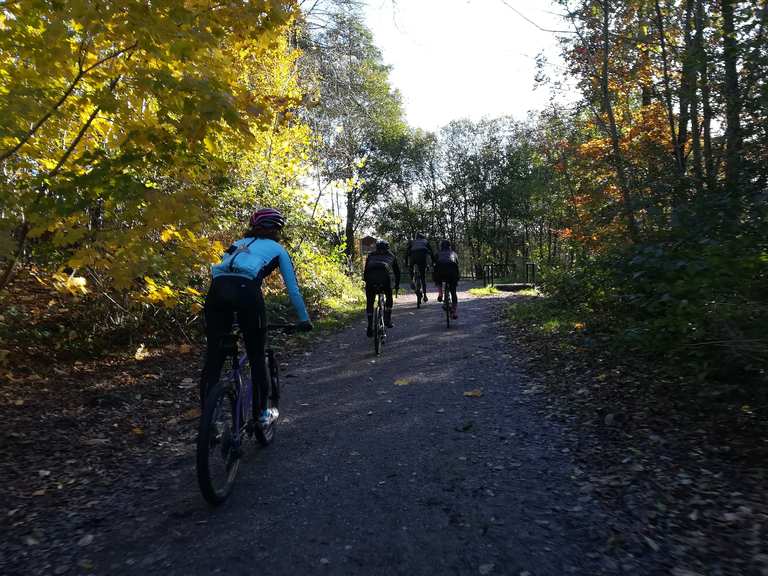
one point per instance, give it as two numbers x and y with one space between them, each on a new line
256 258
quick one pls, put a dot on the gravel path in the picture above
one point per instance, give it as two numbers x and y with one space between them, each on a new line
383 466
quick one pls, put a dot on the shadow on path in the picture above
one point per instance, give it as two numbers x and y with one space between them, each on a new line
370 477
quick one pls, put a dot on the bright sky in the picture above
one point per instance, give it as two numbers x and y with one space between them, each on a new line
456 59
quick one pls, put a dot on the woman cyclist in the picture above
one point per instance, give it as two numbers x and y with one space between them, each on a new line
236 289
446 265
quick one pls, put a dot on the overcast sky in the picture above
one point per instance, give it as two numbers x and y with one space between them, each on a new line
464 58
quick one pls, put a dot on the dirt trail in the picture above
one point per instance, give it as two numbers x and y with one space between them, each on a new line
383 466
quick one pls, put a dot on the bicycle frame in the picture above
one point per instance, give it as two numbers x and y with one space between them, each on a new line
241 379
448 302
244 393
416 277
380 332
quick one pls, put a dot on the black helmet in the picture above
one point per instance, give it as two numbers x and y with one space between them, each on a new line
382 245
445 244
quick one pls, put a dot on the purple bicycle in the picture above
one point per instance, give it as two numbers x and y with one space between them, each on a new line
226 420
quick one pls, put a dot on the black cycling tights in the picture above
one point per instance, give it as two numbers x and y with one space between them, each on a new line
372 288
423 270
229 295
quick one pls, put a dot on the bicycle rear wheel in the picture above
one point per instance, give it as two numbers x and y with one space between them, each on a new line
377 331
418 290
265 435
447 305
218 444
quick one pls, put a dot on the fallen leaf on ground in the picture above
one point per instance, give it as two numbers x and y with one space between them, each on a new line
95 441
402 382
187 383
191 413
476 393
85 540
138 431
141 353
652 544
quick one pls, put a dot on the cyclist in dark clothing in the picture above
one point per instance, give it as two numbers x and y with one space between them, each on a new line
381 272
416 254
446 264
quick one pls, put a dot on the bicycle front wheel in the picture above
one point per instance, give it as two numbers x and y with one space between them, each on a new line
378 337
447 305
418 291
218 444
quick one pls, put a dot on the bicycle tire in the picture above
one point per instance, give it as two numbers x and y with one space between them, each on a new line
265 436
447 305
377 338
418 290
211 436
382 332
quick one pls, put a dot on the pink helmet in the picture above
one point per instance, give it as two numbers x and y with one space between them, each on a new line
267 218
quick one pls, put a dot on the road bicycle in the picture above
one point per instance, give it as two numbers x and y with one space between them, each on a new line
379 328
226 421
447 303
417 283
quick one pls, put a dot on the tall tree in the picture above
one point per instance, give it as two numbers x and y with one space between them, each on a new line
120 122
355 116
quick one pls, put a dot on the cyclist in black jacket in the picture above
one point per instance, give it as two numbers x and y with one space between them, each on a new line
381 272
416 255
446 265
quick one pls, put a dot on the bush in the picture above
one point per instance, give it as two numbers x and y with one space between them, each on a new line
701 304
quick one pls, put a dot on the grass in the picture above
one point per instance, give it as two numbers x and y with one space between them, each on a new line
340 312
485 291
332 315
542 316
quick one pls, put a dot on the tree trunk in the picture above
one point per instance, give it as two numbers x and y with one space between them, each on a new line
350 250
703 69
691 60
627 207
646 88
733 136
13 259
667 87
